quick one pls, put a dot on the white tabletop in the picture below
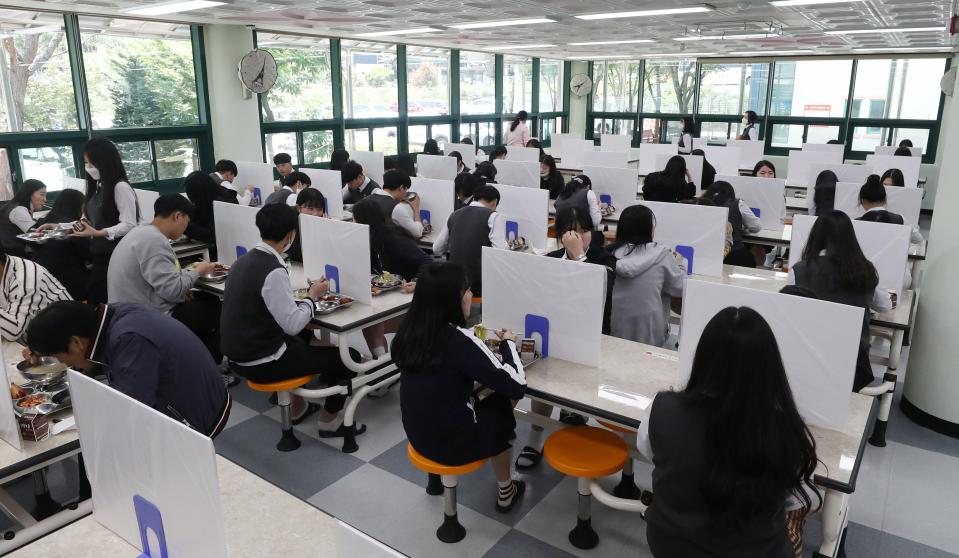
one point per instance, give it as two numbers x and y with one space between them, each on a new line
260 520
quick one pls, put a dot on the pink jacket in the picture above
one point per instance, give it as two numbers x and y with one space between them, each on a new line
517 137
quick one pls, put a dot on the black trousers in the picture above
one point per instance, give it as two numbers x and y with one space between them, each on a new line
97 287
202 316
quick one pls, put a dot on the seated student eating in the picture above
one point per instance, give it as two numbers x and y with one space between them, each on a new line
16 216
293 183
396 203
356 185
468 230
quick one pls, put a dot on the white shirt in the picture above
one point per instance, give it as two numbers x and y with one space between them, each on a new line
290 200
750 221
519 136
126 201
442 241
346 189
687 147
21 217
404 218
594 213
753 133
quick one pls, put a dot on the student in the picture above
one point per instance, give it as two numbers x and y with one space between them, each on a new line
487 171
309 201
224 175
535 144
356 185
66 259
648 277
293 183
461 168
25 289
260 318
728 448
709 171
834 267
498 152
284 165
550 178
905 143
750 118
670 185
824 193
16 216
903 152
468 230
395 202
518 133
578 193
144 354
338 158
464 185
111 210
686 136
467 140
394 250
893 177
741 220
203 191
439 361
872 198
431 147
764 169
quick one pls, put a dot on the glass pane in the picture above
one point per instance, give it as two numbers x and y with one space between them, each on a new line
618 86
549 128
787 135
281 143
673 131
139 73
6 177
599 85
483 133
918 136
799 88
651 130
477 83
384 140
304 84
733 88
714 130
669 86
866 139
136 160
369 80
550 85
442 134
359 139
47 164
904 88
822 134
517 84
317 146
176 158
416 138
427 81
36 89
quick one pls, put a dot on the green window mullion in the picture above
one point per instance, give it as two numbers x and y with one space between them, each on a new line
535 105
153 162
71 27
402 133
336 74
498 101
455 95
204 140
300 151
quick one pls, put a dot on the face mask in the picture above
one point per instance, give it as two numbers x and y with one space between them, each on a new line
92 171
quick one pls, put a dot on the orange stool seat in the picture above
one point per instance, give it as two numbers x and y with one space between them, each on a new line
477 300
586 452
429 466
282 385
616 427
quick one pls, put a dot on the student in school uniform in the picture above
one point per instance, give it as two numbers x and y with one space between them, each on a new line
66 259
468 230
284 165
498 152
648 277
396 203
225 174
518 134
709 171
536 144
578 193
338 158
202 191
765 254
687 135
463 186
764 169
824 193
728 448
750 118
293 183
16 216
26 288
741 220
309 201
110 212
834 267
431 147
905 143
356 185
893 177
461 168
872 198
670 185
487 171
550 179
394 249
440 360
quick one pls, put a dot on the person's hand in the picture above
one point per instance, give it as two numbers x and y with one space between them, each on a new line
204 268
679 257
30 356
319 288
250 188
408 288
574 245
84 229
415 204
188 296
506 335
46 227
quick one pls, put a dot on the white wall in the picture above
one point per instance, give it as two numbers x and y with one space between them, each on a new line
236 124
577 105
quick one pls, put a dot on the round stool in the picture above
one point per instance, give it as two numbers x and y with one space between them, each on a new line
627 484
450 531
288 440
586 453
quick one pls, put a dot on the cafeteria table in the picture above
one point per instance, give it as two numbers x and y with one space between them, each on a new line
189 248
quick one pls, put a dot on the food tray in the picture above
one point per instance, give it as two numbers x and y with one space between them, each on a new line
218 275
45 236
517 245
330 303
607 211
48 371
42 398
384 283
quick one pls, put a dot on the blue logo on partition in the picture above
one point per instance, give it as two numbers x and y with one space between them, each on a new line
149 519
687 253
606 198
425 216
240 251
512 227
333 274
538 324
756 211
258 196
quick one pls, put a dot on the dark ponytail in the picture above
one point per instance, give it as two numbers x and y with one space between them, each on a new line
574 185
521 116
872 191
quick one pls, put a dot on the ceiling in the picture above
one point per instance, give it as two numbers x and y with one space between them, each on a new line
787 29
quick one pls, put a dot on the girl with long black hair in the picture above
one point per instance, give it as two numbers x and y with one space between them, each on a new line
66 259
824 193
671 184
893 177
728 449
550 179
687 135
872 198
741 219
578 193
16 216
518 134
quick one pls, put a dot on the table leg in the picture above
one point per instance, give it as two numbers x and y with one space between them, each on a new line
835 508
45 505
916 264
878 437
349 440
895 348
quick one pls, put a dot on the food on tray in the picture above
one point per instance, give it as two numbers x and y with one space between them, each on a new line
17 392
32 401
385 281
345 300
527 346
607 210
218 267
517 244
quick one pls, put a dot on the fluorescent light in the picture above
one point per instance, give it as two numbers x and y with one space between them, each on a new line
904 50
501 23
771 52
646 13
602 56
633 41
885 30
415 31
517 47
31 30
173 7
722 37
679 54
787 3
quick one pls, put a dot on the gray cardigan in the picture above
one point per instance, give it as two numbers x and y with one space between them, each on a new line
144 270
647 277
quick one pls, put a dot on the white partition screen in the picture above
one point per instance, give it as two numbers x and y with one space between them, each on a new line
339 251
517 173
258 175
765 196
330 184
466 150
615 142
724 159
696 232
903 201
372 163
441 167
145 201
527 154
523 213
236 232
436 200
614 186
908 165
649 156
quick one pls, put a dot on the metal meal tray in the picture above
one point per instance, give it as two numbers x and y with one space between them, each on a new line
48 371
214 277
331 303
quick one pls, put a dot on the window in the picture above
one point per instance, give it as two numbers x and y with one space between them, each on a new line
616 86
715 131
866 139
281 143
733 88
477 83
176 158
651 130
369 80
304 85
622 126
441 133
46 164
550 127
551 85
358 139
791 135
918 137
821 134
427 81
137 160
317 147
800 88
903 88
36 89
416 138
483 133
6 177
384 140
669 86
139 73
517 84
